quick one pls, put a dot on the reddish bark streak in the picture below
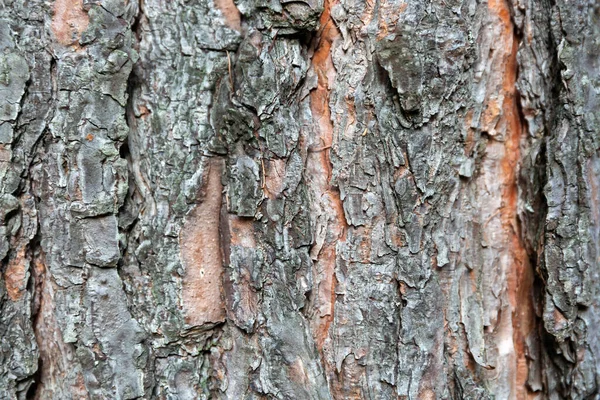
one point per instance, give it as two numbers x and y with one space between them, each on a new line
69 21
201 254
327 196
232 15
319 101
241 231
519 273
15 276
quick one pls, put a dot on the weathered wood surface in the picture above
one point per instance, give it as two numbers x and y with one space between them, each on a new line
318 199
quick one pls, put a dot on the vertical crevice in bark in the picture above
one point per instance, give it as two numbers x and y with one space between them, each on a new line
516 330
554 84
521 276
38 283
128 213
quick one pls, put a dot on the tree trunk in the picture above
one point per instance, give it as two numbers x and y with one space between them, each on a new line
317 199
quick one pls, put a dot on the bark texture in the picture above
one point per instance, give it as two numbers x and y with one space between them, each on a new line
315 199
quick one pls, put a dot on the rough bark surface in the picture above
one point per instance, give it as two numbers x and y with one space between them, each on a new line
315 199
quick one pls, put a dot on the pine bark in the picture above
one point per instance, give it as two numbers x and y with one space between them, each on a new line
316 199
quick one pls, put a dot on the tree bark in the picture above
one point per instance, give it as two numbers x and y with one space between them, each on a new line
317 199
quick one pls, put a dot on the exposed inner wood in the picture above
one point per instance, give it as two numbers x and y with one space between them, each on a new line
69 21
201 253
232 15
274 177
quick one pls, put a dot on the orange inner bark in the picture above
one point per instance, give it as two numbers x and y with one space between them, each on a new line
232 15
520 275
319 102
69 21
200 244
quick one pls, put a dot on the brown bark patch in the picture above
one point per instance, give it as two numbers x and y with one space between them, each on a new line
519 280
201 254
16 276
560 321
232 15
470 133
69 21
297 372
490 116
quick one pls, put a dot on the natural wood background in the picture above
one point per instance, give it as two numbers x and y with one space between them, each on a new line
348 199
